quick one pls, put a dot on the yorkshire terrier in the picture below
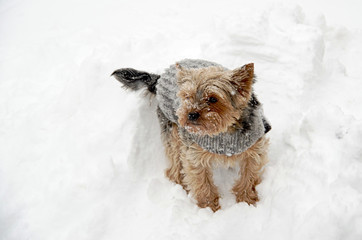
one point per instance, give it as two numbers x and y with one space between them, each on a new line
209 115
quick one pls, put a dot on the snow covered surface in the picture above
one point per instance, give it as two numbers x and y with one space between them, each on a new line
81 158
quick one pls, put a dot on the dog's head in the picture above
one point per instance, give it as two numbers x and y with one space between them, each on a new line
212 98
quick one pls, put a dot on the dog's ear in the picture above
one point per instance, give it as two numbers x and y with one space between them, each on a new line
242 78
181 73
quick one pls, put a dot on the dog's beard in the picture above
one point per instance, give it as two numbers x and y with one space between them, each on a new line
209 123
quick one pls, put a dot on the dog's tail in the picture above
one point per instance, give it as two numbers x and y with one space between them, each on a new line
135 80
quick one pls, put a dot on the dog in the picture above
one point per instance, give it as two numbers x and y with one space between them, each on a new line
209 116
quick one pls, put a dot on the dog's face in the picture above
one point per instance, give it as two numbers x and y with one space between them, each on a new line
212 99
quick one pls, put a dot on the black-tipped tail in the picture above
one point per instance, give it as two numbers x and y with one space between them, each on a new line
135 80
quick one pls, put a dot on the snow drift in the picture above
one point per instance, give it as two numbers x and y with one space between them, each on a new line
81 158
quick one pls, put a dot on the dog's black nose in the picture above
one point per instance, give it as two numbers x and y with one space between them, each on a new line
193 116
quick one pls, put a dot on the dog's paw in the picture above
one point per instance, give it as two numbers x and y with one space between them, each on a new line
211 203
176 177
250 197
173 175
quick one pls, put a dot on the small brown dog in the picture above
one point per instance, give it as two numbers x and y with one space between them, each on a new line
209 116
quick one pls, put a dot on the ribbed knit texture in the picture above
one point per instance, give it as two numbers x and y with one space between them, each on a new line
254 125
232 143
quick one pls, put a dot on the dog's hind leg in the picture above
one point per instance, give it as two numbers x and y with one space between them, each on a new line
174 153
173 145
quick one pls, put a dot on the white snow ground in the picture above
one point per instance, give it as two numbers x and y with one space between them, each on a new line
80 158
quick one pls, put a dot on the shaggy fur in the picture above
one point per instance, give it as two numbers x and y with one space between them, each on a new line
251 125
213 101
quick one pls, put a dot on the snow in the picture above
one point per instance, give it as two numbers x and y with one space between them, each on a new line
81 158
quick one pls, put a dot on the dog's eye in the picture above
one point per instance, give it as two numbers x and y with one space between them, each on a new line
212 99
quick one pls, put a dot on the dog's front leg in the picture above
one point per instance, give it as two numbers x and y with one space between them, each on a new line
198 178
251 164
244 188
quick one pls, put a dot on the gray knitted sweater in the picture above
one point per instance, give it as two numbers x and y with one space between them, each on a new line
253 123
